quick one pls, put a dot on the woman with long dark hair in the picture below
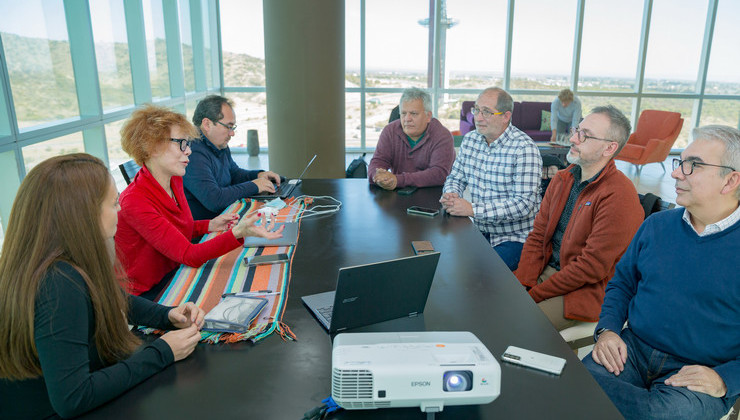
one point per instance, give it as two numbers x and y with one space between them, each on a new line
65 344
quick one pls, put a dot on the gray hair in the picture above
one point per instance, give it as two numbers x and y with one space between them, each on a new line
504 101
414 93
619 125
728 136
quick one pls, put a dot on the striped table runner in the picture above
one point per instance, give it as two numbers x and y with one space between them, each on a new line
228 274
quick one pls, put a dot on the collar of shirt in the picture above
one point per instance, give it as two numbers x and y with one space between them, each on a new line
714 227
577 171
413 142
210 145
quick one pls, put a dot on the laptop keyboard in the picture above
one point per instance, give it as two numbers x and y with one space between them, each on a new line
326 312
284 189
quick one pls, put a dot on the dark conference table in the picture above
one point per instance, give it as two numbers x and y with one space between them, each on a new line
472 291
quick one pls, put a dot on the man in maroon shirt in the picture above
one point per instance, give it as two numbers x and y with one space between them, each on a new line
416 150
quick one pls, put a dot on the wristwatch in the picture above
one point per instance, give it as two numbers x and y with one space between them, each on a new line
598 333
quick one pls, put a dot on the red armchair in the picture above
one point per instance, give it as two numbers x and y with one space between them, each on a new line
653 138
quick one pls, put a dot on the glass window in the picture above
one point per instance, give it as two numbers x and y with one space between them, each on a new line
39 152
396 44
720 111
471 25
116 155
623 104
684 106
448 112
211 72
378 107
723 76
156 48
39 64
242 42
186 44
674 52
352 45
610 45
251 114
352 121
111 53
542 47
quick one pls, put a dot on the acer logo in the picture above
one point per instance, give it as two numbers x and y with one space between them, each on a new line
421 383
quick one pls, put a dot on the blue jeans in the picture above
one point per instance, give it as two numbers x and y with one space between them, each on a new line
639 391
510 252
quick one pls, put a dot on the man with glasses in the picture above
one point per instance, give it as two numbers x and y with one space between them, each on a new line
502 168
414 151
588 216
678 288
213 180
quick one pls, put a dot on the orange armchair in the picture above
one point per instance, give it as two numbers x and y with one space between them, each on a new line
653 138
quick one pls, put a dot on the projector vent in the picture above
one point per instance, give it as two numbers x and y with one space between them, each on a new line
352 384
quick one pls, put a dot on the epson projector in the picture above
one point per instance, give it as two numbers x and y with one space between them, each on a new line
428 370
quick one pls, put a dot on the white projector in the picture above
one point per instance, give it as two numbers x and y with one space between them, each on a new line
412 369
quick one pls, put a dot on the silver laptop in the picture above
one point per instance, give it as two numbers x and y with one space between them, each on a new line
371 293
286 188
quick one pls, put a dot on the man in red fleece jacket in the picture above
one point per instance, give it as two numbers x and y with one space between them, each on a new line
414 151
587 219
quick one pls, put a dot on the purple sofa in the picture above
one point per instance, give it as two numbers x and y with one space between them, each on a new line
527 116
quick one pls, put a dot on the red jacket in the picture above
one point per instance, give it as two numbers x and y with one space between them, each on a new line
605 217
153 236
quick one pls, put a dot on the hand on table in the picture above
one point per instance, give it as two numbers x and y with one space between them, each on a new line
264 185
270 176
455 205
182 342
385 179
611 352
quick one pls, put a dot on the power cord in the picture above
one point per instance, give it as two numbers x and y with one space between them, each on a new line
327 407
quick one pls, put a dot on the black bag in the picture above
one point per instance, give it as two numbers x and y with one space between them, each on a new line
650 203
357 168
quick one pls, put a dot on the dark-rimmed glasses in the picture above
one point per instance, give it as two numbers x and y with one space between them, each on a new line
184 143
582 137
691 164
486 113
228 127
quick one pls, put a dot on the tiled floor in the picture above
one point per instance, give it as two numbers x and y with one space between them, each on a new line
651 179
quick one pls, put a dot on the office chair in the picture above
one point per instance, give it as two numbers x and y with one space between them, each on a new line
129 170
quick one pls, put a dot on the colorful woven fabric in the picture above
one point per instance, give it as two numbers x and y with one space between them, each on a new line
228 274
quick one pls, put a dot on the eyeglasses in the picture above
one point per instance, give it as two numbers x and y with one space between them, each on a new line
691 164
486 113
228 127
184 143
582 137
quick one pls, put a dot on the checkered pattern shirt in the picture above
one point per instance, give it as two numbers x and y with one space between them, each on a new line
716 227
504 181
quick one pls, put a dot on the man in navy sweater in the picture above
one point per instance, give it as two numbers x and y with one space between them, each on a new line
679 289
213 180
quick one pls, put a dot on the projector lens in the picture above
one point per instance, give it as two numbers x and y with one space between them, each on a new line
457 381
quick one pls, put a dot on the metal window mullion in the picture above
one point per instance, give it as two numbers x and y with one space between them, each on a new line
136 35
642 58
221 81
509 40
706 51
174 48
363 85
578 37
215 75
435 21
196 30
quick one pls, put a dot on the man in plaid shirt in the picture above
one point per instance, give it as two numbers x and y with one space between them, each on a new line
502 168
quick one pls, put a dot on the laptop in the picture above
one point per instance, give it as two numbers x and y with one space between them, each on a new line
286 188
371 293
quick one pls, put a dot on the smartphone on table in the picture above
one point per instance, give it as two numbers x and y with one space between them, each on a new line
423 211
266 259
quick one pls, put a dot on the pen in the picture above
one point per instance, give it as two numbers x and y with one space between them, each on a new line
253 293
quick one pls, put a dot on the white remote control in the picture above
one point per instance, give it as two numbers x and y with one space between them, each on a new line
528 358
